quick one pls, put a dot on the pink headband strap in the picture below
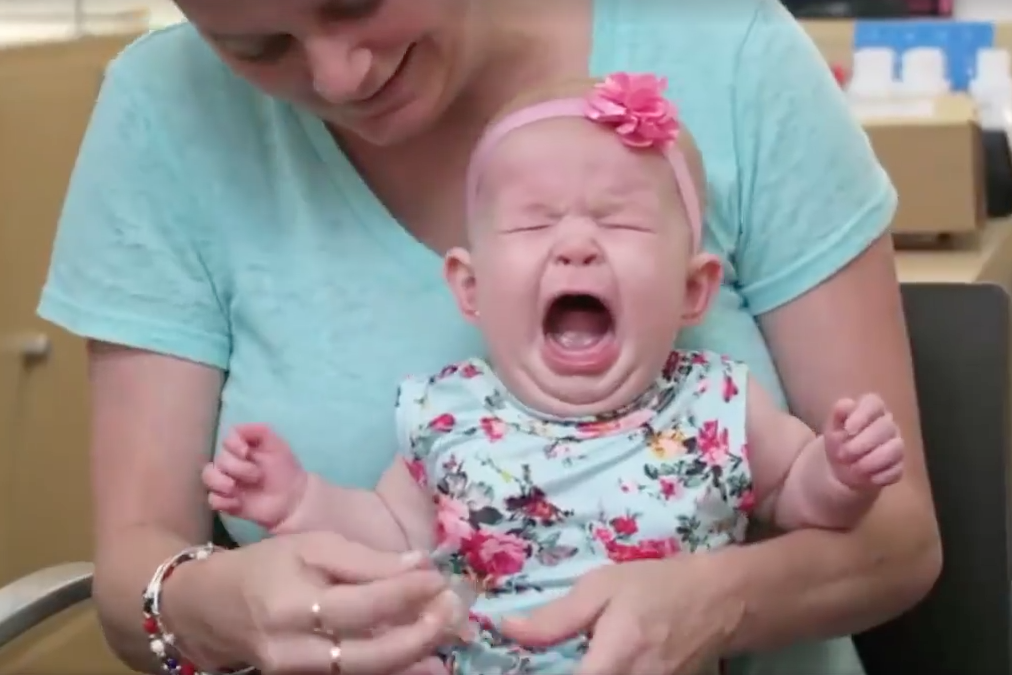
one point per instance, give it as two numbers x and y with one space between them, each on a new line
578 107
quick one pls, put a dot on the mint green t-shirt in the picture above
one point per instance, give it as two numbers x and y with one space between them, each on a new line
208 221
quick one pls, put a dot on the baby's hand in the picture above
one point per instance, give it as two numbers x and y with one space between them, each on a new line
255 476
863 443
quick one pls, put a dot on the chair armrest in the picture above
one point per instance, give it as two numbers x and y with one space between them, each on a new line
30 600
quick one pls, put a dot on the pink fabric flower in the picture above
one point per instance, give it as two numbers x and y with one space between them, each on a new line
634 105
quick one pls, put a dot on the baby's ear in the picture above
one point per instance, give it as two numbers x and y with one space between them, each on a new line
459 276
701 284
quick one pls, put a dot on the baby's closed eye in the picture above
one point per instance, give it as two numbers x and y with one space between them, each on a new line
535 226
627 226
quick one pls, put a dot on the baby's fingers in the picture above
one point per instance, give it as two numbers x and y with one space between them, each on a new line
867 410
842 409
876 434
888 476
230 505
217 482
235 444
241 470
881 458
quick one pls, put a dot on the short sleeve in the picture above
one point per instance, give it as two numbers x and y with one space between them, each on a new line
813 195
408 416
129 263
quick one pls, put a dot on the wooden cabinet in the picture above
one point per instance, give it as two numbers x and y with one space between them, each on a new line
46 96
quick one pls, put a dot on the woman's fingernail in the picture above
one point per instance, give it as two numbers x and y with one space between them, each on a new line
447 605
433 618
470 632
412 558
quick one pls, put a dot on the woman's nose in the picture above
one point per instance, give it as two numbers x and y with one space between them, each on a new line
338 67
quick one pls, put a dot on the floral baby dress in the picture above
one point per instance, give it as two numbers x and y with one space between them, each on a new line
527 503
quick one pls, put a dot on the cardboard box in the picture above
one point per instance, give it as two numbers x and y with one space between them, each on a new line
985 258
834 38
935 159
1003 35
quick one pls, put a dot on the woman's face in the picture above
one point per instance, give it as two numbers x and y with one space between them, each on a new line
381 69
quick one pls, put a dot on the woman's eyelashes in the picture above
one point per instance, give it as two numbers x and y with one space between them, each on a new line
351 10
269 48
260 50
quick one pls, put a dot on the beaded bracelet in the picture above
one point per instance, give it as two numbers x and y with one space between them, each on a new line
161 642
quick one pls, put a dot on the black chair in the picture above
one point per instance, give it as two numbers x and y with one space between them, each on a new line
960 337
961 340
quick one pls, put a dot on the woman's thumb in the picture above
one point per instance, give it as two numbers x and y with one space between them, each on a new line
562 619
350 562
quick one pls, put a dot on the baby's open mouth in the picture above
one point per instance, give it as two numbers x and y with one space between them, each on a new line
578 321
579 336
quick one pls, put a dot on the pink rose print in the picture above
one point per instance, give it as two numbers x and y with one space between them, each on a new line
464 370
492 555
713 442
447 371
633 420
647 549
669 488
443 423
453 522
602 534
671 365
493 428
416 468
730 389
746 502
624 526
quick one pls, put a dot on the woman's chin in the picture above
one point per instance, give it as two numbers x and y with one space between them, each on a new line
408 119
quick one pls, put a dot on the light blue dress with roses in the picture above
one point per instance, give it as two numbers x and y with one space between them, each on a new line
529 503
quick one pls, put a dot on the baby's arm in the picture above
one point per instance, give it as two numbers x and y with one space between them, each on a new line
397 516
257 477
828 481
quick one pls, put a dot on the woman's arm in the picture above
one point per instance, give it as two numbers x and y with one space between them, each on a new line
815 265
152 427
844 337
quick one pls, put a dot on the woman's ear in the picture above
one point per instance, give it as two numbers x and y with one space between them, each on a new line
705 274
459 276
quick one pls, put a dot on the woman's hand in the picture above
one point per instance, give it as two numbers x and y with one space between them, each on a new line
670 616
283 604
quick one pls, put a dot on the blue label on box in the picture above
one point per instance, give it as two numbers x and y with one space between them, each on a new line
960 40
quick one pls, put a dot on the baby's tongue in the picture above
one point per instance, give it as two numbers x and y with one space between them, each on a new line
579 328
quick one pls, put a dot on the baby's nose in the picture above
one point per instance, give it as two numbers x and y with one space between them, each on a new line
582 253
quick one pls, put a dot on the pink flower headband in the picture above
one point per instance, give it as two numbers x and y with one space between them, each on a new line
633 106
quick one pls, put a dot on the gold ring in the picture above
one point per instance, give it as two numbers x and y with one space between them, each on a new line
318 627
335 659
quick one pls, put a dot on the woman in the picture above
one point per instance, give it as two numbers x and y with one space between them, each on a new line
252 231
